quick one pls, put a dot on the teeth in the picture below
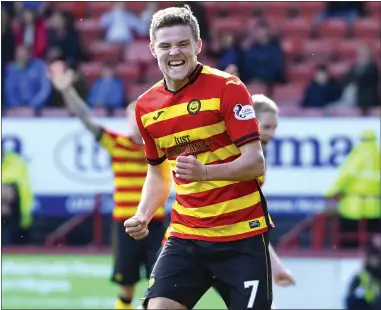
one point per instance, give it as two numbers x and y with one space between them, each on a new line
176 62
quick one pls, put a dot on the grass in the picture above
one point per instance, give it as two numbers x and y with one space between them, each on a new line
68 282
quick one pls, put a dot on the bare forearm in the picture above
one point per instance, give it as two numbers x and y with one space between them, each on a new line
275 260
155 193
79 108
241 169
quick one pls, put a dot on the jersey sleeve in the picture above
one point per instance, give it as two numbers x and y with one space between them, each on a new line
238 112
154 154
107 139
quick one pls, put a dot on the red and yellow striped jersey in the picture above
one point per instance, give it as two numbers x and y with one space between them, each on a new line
210 118
130 169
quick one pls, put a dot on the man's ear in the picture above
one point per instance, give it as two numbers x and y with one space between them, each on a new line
152 49
198 46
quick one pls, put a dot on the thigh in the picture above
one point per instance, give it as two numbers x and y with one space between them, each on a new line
180 274
152 245
127 256
243 274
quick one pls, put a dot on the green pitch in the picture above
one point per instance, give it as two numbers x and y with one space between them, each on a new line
67 282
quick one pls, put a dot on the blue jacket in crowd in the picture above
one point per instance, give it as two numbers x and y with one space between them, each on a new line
28 86
108 92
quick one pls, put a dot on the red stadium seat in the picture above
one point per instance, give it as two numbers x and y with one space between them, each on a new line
346 111
317 51
19 112
308 10
89 31
275 9
257 88
91 70
292 110
347 50
289 94
367 29
119 112
104 51
339 69
96 9
292 48
153 74
127 72
373 9
227 24
138 52
99 111
300 73
298 28
333 29
135 90
55 112
78 9
375 112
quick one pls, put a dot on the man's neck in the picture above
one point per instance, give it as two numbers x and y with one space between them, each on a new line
176 85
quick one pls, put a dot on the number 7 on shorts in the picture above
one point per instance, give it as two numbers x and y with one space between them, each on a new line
254 288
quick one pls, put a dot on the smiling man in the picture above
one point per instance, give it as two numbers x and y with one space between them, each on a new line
207 136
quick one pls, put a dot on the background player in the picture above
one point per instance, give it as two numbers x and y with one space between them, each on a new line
219 220
130 169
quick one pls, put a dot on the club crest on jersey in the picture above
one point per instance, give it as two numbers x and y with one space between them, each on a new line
244 112
194 106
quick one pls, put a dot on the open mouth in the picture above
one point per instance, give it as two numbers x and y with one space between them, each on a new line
176 63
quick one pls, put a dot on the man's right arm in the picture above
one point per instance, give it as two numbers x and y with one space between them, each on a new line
80 109
155 190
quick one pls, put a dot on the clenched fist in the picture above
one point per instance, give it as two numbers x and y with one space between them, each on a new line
136 226
189 168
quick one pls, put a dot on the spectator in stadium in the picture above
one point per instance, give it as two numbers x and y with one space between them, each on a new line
107 91
26 82
322 90
347 10
365 287
42 8
147 13
226 51
7 46
263 58
31 31
16 199
63 39
121 25
364 77
357 188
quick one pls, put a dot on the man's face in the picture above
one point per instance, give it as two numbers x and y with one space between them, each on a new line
268 122
176 51
22 55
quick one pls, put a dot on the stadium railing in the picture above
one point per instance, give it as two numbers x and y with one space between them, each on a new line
324 229
59 236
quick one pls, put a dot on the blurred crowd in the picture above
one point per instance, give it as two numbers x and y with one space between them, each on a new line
106 44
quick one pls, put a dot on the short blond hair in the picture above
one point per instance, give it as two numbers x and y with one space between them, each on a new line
263 104
131 107
174 16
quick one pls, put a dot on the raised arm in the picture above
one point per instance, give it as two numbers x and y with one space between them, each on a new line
62 80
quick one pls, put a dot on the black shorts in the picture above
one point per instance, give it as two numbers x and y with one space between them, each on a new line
130 254
240 271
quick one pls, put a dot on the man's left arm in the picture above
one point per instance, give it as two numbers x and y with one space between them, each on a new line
238 112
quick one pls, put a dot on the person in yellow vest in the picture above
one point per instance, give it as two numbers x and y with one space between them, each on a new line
365 287
357 187
16 200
